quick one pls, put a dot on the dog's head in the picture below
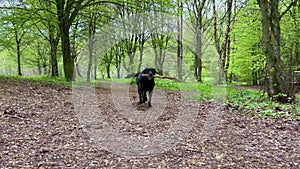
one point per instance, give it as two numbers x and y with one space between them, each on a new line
150 72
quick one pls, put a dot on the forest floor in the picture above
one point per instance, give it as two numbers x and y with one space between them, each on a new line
40 128
249 87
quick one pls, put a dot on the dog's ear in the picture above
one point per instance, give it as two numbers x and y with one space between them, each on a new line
145 71
154 71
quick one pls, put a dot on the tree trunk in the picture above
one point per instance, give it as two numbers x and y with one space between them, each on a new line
108 71
45 67
68 60
198 54
141 58
39 67
53 40
197 9
141 49
118 57
160 43
95 68
131 46
179 47
18 53
54 64
115 51
90 46
91 31
78 70
53 54
277 89
227 58
222 48
66 13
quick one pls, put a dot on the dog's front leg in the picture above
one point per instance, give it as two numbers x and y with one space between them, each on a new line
144 96
141 96
150 97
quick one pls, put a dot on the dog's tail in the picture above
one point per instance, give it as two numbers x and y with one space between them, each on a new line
132 75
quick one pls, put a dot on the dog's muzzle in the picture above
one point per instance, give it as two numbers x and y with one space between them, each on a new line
150 76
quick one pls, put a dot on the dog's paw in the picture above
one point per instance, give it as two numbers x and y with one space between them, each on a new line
149 104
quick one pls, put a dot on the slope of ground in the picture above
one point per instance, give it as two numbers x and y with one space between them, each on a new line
39 128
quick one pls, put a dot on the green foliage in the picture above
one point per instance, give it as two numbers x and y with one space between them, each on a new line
246 55
167 84
245 101
258 104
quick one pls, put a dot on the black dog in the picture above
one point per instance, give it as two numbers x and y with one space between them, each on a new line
145 82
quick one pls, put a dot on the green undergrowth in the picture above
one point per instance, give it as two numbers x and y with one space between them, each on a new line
258 104
245 101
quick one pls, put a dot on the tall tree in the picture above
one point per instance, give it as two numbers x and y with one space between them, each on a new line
271 34
159 45
15 18
179 39
222 46
129 31
67 11
198 10
44 11
92 18
19 34
246 57
161 35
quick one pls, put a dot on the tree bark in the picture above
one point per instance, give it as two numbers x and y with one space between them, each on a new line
108 71
66 13
179 41
68 60
119 55
92 31
160 43
142 41
198 54
39 67
197 9
276 87
131 47
18 42
222 48
89 68
53 51
95 68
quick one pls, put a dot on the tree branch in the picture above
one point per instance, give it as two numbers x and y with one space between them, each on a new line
163 77
288 8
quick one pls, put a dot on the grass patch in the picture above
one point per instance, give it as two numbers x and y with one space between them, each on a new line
186 86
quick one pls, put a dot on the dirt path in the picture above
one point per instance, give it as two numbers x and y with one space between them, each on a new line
40 128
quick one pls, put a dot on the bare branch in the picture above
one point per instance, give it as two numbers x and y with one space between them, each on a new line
288 8
163 77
